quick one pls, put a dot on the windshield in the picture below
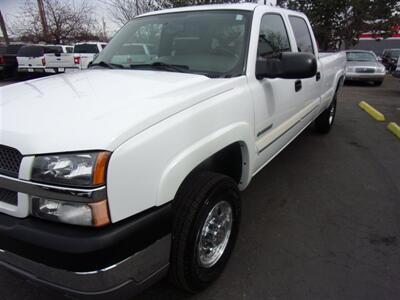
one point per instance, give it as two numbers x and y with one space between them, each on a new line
211 43
394 53
360 56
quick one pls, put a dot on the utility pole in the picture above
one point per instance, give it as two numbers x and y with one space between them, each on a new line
4 29
104 30
43 20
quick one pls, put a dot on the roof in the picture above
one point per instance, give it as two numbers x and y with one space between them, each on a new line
357 50
238 6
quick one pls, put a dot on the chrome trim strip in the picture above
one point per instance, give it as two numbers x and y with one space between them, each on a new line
277 138
290 128
265 130
53 192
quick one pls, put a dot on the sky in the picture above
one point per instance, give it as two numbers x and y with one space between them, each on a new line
10 8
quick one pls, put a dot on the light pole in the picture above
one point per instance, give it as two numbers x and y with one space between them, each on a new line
43 20
4 29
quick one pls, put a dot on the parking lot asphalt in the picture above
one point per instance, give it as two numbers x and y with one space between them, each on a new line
321 221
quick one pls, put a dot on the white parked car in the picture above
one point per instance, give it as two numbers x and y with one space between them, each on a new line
115 176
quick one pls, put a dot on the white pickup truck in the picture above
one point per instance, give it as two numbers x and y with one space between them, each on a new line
80 58
34 58
116 176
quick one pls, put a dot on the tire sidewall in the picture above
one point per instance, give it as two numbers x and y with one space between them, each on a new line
224 191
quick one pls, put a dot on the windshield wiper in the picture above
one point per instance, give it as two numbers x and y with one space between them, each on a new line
107 65
163 66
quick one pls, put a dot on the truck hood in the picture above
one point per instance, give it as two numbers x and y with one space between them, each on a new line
96 109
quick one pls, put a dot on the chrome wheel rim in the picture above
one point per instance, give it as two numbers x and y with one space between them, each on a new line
332 113
214 235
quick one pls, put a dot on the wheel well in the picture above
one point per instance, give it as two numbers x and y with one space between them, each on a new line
228 161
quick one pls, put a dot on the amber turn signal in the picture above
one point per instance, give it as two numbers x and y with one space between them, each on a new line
99 174
100 214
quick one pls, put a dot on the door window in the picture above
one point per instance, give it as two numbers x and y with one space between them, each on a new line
302 35
273 36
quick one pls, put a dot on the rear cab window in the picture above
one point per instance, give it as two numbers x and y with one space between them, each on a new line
13 49
53 49
31 51
86 48
302 34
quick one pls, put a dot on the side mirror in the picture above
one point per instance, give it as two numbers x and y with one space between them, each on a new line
287 65
379 59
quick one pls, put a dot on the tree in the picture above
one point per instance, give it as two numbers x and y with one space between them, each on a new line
122 11
67 21
341 22
179 3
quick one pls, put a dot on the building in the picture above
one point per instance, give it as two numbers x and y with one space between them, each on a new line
377 43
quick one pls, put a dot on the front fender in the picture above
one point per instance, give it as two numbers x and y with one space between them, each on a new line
186 161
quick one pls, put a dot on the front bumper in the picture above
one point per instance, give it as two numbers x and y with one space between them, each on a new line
119 281
84 261
365 76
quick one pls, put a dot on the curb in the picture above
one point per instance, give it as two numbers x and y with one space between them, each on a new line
372 111
394 128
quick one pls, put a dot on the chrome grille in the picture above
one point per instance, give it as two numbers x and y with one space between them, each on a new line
365 70
10 161
9 197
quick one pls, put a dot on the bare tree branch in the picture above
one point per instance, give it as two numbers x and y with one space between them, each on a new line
122 11
66 20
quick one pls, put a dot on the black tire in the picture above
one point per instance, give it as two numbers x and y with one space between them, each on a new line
324 122
378 83
195 200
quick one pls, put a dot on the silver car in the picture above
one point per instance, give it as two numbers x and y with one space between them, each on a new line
364 66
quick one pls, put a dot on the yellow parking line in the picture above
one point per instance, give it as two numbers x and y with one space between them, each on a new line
394 128
371 111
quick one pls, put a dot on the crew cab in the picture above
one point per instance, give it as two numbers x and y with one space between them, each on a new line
113 177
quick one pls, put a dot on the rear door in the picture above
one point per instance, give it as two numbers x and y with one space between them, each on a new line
311 88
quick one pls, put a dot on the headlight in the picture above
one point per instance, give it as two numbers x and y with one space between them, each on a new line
349 69
79 170
382 69
84 214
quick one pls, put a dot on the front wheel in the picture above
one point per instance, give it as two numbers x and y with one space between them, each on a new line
207 217
324 122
